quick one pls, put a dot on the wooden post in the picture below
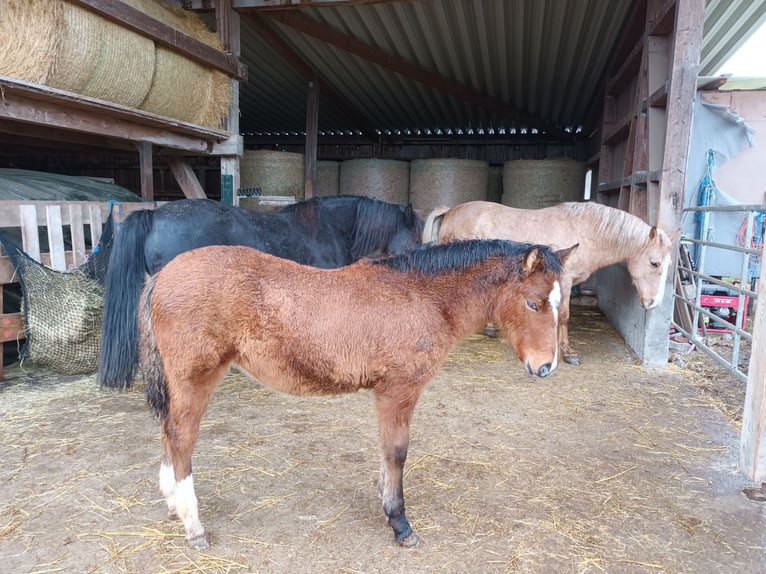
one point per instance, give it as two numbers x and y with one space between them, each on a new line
682 89
752 450
310 155
145 154
228 26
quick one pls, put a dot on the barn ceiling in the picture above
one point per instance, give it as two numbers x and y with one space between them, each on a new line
443 67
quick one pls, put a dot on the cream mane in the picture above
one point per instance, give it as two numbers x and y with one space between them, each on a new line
615 226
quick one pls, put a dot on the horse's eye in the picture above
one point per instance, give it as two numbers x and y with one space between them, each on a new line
655 264
532 305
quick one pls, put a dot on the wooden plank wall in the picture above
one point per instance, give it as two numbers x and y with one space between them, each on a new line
28 217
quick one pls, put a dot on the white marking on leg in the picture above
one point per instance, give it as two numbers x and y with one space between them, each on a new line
188 511
168 488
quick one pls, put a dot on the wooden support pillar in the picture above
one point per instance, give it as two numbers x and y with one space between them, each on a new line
682 89
228 26
312 124
146 159
752 451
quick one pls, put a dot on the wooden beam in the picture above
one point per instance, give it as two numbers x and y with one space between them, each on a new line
685 58
276 43
229 30
752 451
186 178
278 4
310 151
135 20
145 163
391 62
48 107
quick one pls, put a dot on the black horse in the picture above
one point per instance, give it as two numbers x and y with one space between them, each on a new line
324 232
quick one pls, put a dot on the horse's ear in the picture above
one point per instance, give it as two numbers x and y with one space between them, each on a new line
675 235
653 233
531 260
565 253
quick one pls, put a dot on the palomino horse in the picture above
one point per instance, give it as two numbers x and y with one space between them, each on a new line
385 325
606 235
322 232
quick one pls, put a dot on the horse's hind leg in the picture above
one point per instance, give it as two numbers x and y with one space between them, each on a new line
394 415
180 430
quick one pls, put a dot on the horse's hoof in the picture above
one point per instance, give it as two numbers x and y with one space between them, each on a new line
199 542
572 359
410 541
490 331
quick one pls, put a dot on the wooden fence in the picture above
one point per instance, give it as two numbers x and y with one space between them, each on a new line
78 222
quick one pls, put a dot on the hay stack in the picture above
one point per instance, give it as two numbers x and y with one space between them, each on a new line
58 44
274 172
535 183
384 179
328 178
435 182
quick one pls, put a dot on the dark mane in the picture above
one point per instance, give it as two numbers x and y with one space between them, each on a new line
437 259
377 223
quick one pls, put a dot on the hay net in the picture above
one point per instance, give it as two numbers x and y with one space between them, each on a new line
62 310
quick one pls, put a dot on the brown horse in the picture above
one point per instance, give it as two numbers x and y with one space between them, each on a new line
606 235
385 325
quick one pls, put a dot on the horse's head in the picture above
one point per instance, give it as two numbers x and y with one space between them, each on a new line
528 313
648 267
408 234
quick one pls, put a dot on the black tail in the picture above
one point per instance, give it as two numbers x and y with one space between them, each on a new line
124 281
151 360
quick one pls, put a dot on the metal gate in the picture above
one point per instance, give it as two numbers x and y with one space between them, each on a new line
707 305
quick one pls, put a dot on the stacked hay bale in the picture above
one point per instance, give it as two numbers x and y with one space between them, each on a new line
275 173
64 46
328 178
448 182
384 179
536 183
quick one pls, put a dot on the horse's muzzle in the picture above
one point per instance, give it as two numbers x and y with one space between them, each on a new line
543 371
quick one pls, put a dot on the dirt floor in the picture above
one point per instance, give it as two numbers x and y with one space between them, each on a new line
606 467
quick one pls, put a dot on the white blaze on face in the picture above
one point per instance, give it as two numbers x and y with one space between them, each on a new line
554 297
661 286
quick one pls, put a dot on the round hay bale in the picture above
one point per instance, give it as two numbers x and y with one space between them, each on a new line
274 172
384 179
328 178
536 183
495 183
449 182
100 59
58 44
182 88
29 29
174 75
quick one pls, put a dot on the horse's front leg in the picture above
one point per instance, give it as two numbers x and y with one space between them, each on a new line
394 407
568 354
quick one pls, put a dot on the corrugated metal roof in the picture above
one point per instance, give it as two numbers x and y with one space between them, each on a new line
728 24
539 64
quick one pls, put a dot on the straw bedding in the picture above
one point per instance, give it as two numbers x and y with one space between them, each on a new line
607 467
58 44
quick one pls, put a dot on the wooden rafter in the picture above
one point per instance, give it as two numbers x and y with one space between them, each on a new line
372 54
276 43
277 4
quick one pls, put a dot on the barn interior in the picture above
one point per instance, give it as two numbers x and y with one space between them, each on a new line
262 102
